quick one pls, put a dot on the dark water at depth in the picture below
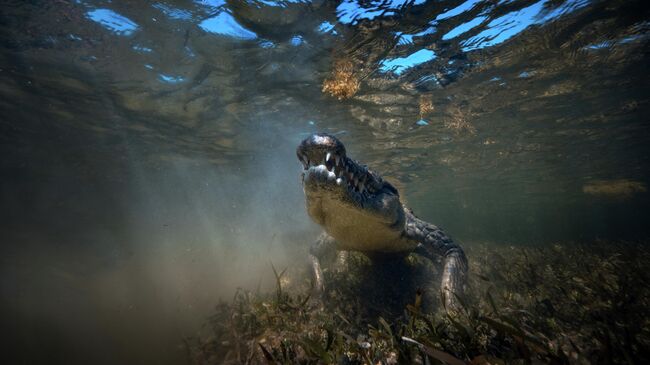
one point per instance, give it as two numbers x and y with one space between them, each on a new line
148 162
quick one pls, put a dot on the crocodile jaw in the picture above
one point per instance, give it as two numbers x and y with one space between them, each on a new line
353 204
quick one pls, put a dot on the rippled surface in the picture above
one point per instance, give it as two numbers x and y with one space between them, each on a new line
475 102
500 120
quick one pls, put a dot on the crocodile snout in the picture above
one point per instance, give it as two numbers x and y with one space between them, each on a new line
321 148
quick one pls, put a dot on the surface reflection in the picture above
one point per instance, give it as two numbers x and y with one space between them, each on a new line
113 21
225 24
399 65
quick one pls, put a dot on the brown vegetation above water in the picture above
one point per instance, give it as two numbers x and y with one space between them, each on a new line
579 304
343 83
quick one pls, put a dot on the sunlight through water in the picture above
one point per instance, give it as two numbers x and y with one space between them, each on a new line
149 170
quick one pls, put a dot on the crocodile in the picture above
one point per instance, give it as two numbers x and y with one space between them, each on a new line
360 211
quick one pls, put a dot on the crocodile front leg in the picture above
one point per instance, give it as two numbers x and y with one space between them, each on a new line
323 245
432 242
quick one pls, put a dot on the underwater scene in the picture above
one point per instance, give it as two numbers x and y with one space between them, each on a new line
325 182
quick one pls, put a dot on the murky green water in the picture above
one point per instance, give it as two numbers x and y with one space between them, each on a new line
148 162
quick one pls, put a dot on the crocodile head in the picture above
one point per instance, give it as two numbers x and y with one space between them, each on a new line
352 203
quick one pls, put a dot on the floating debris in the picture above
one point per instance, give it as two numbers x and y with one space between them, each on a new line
457 121
343 83
426 105
615 188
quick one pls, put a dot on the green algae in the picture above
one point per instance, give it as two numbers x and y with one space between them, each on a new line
557 304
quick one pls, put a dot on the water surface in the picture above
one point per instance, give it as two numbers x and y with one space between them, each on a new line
148 160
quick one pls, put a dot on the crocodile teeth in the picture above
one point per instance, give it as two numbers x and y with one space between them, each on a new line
339 181
327 158
337 159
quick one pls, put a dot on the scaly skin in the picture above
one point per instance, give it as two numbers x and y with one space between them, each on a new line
359 211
